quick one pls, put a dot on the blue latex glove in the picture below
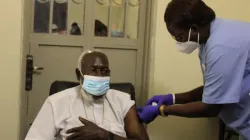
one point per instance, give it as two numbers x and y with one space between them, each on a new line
148 113
162 100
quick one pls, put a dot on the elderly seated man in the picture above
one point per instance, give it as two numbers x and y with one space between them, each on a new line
90 111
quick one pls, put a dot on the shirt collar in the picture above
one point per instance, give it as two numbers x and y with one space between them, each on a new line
214 25
213 28
89 98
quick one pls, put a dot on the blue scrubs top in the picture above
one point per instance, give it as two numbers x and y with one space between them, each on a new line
225 62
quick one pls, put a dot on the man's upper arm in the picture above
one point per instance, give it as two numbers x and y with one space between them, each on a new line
133 127
43 128
223 75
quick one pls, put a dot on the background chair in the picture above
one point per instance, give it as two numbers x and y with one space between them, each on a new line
58 86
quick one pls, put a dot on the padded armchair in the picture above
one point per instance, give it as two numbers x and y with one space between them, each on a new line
58 86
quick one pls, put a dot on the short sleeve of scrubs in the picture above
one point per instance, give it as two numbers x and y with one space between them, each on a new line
223 75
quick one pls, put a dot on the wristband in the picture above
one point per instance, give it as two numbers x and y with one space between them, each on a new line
173 98
161 109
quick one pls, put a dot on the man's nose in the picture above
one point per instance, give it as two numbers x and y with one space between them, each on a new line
99 72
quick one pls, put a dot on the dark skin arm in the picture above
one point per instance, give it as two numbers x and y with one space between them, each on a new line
193 110
90 131
192 107
190 96
133 128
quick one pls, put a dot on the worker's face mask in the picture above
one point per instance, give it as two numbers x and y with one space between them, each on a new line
189 46
95 85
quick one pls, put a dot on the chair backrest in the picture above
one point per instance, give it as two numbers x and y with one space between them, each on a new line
58 86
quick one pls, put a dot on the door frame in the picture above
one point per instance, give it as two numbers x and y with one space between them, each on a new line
147 63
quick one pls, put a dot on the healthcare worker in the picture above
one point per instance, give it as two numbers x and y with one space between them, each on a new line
224 53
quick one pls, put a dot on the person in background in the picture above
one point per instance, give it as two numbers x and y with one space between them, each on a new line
224 53
60 16
75 29
91 111
100 29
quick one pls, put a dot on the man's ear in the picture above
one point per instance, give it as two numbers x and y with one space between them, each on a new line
194 33
78 74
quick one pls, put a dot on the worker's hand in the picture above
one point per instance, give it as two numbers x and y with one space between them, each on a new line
148 113
162 100
89 131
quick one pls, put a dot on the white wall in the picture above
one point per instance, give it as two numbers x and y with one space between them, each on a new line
173 72
10 73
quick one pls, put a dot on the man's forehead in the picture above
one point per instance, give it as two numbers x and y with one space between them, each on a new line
95 58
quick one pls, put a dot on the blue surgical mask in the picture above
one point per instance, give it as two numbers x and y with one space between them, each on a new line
95 85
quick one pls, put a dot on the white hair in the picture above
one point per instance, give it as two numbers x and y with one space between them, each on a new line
79 63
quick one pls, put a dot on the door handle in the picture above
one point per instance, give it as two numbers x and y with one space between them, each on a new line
30 70
37 70
29 73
